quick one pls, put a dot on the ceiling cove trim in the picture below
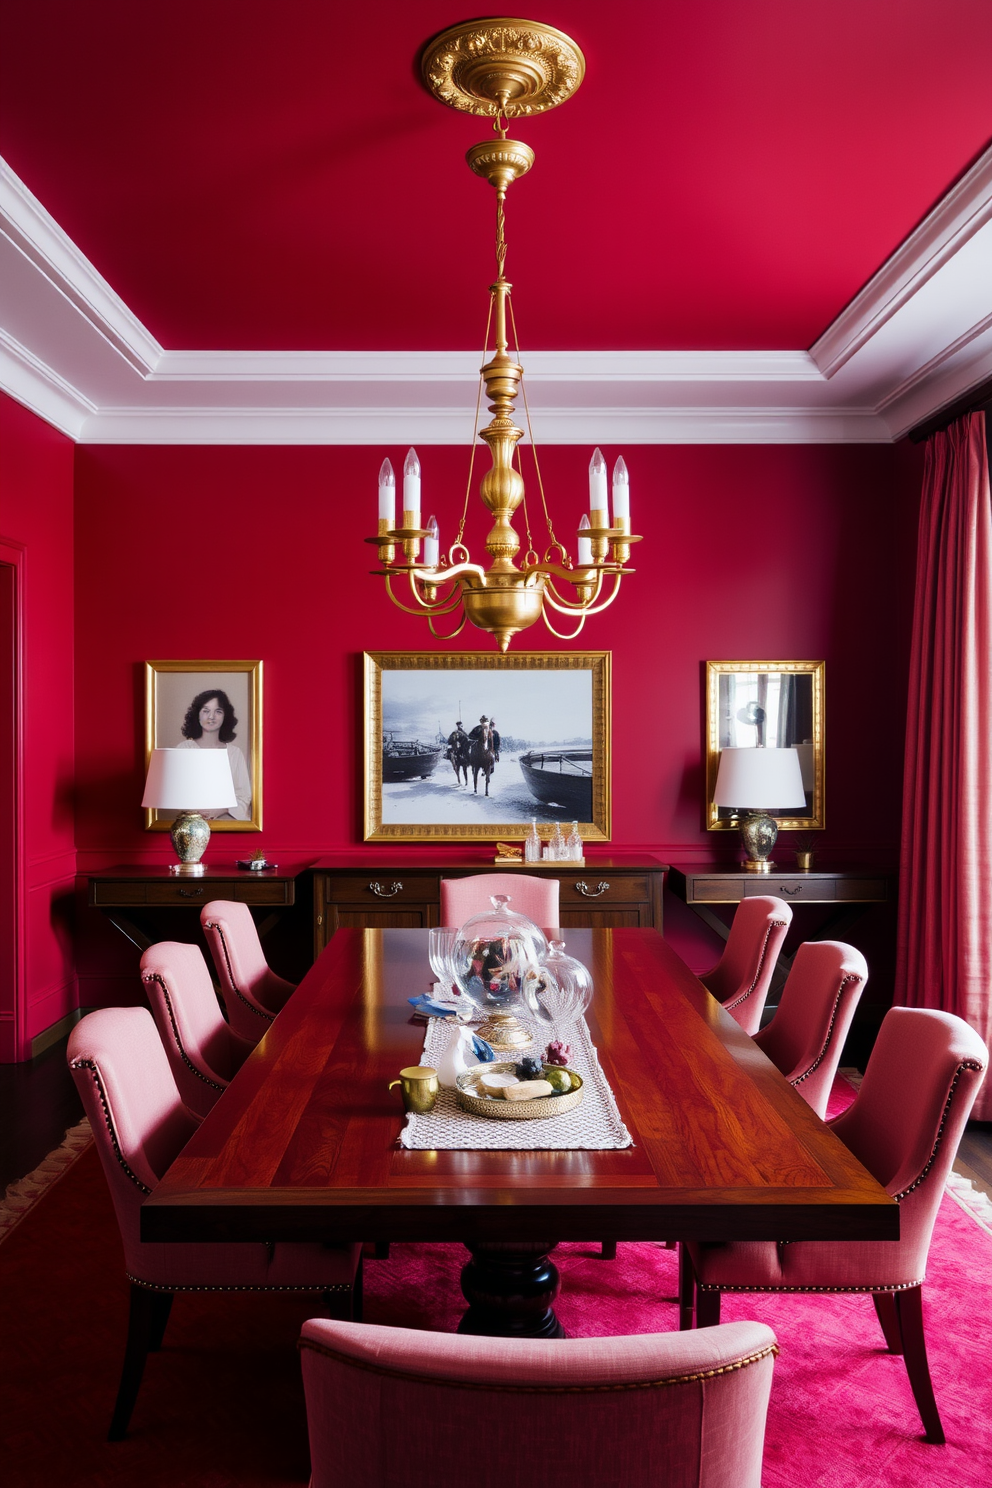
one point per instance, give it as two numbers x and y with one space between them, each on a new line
965 209
434 426
36 234
28 380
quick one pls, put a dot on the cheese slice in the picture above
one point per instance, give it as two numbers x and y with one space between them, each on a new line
528 1090
497 1084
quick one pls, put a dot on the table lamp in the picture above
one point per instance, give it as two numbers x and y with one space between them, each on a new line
754 782
178 777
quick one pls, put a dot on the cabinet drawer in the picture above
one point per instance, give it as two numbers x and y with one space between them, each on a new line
380 888
186 891
863 890
117 892
594 887
715 890
806 888
260 892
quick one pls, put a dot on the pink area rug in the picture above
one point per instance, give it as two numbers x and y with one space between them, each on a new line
842 1414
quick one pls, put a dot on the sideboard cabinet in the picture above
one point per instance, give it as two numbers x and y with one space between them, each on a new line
395 893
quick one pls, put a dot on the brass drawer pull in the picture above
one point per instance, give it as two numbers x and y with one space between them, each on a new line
191 893
382 893
583 888
784 889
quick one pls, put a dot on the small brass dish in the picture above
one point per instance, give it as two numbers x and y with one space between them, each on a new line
508 1110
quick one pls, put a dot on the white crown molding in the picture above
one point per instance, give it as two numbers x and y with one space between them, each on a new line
430 426
28 380
962 212
916 336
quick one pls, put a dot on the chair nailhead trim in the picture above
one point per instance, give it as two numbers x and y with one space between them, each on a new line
153 976
772 924
885 1286
830 1031
971 1064
215 925
154 1286
88 1064
499 1388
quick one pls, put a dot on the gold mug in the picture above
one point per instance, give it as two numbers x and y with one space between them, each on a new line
418 1087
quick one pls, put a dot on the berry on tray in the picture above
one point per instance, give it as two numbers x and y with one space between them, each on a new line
530 1068
557 1052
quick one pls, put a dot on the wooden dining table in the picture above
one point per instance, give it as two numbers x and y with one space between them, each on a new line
303 1145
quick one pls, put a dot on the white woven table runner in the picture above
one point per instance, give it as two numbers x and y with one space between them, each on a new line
595 1124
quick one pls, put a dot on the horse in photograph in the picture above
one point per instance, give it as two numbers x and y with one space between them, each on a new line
481 755
459 753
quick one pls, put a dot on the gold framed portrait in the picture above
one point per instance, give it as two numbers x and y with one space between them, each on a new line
775 704
472 746
188 702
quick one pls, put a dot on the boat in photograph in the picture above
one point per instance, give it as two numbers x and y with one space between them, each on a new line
560 777
408 759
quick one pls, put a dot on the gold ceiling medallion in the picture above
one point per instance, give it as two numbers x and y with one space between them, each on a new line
519 67
504 69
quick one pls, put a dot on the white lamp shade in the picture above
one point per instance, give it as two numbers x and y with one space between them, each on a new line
751 779
189 780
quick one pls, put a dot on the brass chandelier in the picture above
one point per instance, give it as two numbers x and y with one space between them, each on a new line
503 69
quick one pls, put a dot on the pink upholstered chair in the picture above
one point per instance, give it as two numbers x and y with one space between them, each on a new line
537 898
140 1126
252 991
391 1406
805 1038
743 975
904 1126
204 1052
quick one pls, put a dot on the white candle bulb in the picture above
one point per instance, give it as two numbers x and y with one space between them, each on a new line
431 544
411 486
621 490
597 482
387 494
585 543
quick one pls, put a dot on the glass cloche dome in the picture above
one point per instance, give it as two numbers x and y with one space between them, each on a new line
495 958
563 989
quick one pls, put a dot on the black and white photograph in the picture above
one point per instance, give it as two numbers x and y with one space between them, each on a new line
209 705
478 746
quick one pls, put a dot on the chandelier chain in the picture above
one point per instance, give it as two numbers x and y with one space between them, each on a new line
533 445
475 430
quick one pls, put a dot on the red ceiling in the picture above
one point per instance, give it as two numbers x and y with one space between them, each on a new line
252 175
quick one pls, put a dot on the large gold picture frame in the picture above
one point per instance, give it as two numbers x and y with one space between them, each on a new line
775 703
551 712
171 689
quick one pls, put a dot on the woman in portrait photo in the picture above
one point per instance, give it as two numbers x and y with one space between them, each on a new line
210 723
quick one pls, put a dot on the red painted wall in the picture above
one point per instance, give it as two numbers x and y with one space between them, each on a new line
36 522
773 551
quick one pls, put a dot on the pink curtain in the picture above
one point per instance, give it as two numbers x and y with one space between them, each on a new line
945 911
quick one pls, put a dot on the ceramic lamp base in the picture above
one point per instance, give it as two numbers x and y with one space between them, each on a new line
190 835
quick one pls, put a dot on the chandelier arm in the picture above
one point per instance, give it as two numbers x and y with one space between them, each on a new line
451 636
560 635
565 608
422 607
442 576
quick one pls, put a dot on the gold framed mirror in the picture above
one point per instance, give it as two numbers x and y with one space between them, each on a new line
777 704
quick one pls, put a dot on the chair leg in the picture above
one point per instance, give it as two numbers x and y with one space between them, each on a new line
687 1289
909 1310
609 1252
140 1331
381 1252
161 1307
707 1308
885 1310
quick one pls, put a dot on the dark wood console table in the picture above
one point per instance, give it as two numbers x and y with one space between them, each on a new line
124 892
396 892
850 890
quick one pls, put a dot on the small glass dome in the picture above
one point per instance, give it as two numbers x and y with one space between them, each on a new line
563 990
495 954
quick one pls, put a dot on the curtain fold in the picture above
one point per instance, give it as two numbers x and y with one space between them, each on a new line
945 902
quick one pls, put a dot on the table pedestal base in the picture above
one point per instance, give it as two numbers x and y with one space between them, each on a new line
510 1288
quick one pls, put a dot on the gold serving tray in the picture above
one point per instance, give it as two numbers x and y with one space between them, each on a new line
504 1110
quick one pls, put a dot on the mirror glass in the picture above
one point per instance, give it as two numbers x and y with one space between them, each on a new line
772 705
